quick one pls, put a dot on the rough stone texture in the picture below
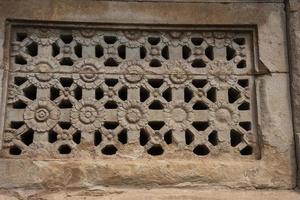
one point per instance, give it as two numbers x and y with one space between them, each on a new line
294 46
275 169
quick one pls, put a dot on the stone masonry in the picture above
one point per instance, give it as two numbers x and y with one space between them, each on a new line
109 98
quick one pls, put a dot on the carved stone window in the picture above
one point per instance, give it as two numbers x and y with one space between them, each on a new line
130 92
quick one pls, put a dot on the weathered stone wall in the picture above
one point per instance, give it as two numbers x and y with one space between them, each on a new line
276 166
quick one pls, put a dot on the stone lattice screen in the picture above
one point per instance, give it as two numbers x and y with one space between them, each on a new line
134 92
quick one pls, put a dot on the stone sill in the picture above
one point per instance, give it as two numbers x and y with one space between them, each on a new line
150 194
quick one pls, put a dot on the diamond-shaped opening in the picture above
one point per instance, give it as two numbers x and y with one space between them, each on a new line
233 95
19 105
78 50
52 136
156 150
198 63
65 125
55 49
66 61
156 125
168 137
144 137
99 93
200 126
235 138
122 51
30 92
111 125
248 150
165 52
213 138
209 52
16 124
110 39
122 93
200 105
244 106
98 51
109 150
66 82
189 137
212 94
156 105
15 150
19 80
111 105
201 150
167 94
243 82
245 125
197 41
21 36
66 38
97 138
122 136
186 52
230 53
199 83
27 137
153 40
111 82
32 49
20 60
155 63
110 62
77 137
188 94
242 64
144 94
64 149
65 103
155 83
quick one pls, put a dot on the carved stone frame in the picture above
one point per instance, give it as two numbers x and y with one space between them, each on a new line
276 169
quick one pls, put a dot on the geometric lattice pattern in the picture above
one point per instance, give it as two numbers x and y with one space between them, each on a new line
136 93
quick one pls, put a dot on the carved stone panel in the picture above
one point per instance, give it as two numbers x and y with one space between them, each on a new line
134 92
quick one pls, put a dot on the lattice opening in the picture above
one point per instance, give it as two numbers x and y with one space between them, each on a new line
213 138
122 137
15 150
111 125
200 126
144 137
236 138
111 63
21 36
111 105
52 136
199 83
201 150
200 105
153 40
110 39
155 63
209 52
245 125
243 82
109 150
19 80
244 106
55 49
198 63
78 50
242 64
66 61
156 105
188 94
189 137
233 95
144 94
97 138
230 53
19 105
248 150
67 39
77 137
186 52
165 52
167 94
98 51
155 83
64 149
156 125
122 51
143 52
197 41
212 94
156 150
168 137
30 92
240 41
27 137
32 49
20 60
16 124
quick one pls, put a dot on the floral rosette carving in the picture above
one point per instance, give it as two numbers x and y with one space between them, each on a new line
221 74
133 73
87 73
43 75
223 116
218 39
176 38
179 75
41 115
133 38
87 37
178 116
8 137
44 36
132 115
87 115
